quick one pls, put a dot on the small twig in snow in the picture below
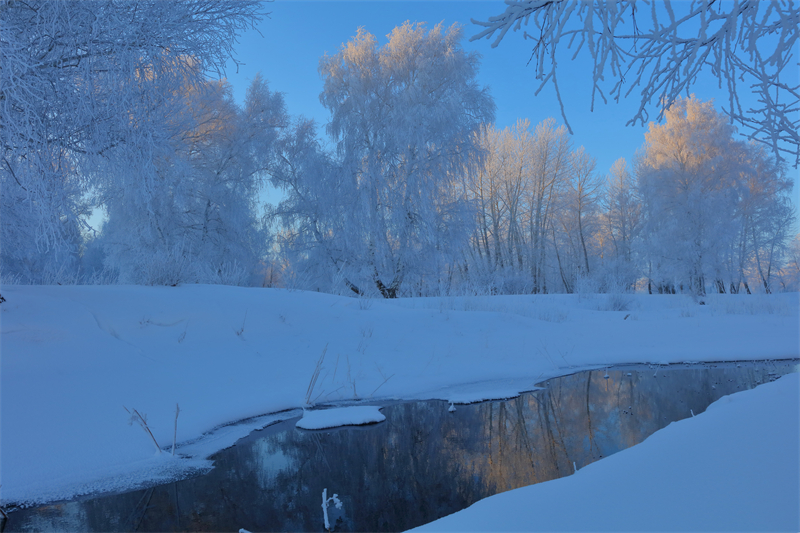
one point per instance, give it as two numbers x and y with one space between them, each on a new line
175 435
183 335
241 330
379 386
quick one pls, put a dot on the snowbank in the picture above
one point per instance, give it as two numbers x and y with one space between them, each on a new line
734 467
73 356
343 416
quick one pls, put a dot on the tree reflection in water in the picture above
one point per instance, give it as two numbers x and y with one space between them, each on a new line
422 463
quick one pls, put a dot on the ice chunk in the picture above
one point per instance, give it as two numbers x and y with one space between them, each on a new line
341 416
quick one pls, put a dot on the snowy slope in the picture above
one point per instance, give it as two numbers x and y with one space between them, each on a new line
72 357
734 467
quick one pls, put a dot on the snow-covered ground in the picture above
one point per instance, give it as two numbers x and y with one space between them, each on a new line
735 467
72 357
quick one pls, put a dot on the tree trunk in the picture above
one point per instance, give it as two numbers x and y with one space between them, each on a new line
560 268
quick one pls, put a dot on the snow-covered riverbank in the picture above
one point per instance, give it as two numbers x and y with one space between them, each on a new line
72 357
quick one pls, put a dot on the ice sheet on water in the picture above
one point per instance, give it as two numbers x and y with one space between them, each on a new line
341 416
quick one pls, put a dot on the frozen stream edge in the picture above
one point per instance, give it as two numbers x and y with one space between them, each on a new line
193 456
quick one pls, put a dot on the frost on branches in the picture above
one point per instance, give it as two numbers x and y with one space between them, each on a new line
697 211
83 84
185 209
388 211
658 49
713 207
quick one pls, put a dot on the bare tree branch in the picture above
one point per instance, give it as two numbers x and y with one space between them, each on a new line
747 45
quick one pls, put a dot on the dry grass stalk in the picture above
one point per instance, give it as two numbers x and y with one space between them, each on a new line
175 434
142 421
315 376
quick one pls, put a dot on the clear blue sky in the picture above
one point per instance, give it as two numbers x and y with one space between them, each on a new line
297 33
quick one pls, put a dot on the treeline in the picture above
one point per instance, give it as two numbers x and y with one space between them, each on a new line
695 211
418 196
422 198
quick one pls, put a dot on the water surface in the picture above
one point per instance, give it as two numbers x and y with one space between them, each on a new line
422 463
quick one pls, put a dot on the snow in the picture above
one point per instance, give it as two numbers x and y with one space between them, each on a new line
734 467
72 356
343 416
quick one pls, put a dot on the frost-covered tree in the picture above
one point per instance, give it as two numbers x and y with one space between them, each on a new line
582 201
621 220
484 190
790 274
576 223
404 118
687 180
314 232
716 211
79 79
551 171
499 190
187 211
658 48
764 215
536 201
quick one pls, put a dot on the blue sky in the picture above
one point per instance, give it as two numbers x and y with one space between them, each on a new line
297 33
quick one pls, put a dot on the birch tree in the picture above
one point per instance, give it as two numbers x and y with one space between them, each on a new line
687 180
483 189
622 220
314 224
78 80
552 150
765 216
790 273
716 211
404 118
188 211
530 183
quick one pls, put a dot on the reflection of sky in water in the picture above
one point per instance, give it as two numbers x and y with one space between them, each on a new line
422 463
269 460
